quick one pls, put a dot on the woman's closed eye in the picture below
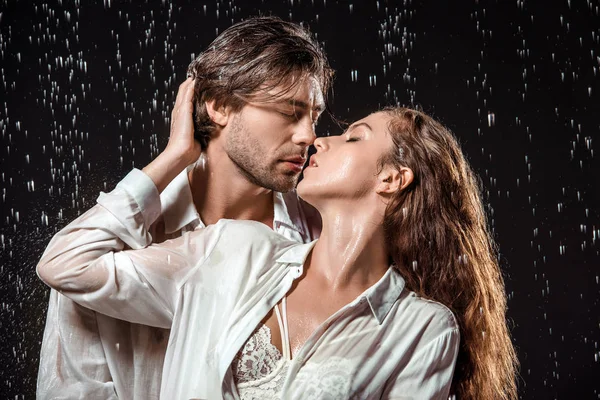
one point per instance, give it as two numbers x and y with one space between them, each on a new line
352 139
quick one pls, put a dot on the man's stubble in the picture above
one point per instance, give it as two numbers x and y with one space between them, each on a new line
249 157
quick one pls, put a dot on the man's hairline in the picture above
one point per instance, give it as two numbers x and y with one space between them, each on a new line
319 107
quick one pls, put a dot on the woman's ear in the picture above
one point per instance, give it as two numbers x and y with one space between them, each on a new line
220 115
390 180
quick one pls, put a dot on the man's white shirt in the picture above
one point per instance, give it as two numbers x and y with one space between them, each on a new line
89 355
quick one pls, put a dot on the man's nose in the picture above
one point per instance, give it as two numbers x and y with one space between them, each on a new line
304 133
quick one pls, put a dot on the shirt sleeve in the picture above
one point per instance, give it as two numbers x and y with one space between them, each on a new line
72 359
428 375
86 261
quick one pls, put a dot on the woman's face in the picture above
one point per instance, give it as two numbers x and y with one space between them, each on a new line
346 166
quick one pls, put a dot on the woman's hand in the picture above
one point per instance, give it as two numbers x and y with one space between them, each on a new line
182 149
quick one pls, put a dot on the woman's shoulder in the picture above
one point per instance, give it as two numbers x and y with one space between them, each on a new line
428 313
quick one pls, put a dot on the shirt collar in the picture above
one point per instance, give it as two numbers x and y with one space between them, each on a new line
178 210
296 254
286 210
177 204
381 296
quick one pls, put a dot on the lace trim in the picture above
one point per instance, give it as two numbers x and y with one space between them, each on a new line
259 368
258 359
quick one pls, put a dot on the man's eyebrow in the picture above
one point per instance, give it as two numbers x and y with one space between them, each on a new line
320 107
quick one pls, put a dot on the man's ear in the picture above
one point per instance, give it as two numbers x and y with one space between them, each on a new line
390 180
220 115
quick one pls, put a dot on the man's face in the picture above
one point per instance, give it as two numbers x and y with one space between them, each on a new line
268 141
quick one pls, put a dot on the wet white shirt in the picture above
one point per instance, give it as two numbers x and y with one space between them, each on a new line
88 355
214 285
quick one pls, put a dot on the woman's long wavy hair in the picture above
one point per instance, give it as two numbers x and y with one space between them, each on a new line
437 232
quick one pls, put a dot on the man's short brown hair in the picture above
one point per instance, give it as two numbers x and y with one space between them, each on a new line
250 58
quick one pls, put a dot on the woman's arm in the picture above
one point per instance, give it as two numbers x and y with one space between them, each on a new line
86 262
428 374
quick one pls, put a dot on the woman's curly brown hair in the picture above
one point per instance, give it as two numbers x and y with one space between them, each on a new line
437 233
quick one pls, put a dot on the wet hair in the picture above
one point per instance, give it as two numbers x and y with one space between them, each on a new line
249 59
437 234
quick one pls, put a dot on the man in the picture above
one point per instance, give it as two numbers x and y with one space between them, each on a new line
257 91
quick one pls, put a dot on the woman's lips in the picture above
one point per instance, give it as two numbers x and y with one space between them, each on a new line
312 162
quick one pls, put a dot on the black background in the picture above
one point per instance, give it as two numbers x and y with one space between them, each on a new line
87 86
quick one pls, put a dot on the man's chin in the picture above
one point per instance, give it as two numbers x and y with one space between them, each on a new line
285 183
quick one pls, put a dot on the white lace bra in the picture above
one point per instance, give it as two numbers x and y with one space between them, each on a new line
259 368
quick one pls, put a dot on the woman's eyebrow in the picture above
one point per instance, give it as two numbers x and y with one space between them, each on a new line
359 124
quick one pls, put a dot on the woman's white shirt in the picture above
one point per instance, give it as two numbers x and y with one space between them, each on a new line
214 285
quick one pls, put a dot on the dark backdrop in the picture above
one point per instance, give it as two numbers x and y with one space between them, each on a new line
87 86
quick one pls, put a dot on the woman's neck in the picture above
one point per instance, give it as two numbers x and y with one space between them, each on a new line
351 254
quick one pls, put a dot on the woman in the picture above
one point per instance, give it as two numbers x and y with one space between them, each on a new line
401 297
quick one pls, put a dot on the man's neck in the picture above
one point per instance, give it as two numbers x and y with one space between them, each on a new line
219 190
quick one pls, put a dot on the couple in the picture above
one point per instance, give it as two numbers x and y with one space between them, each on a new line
400 297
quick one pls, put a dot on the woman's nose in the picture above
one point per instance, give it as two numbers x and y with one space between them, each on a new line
320 144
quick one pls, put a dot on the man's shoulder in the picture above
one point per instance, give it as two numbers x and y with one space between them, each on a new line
242 225
251 241
247 232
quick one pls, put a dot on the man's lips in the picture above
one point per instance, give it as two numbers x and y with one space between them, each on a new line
295 160
294 163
